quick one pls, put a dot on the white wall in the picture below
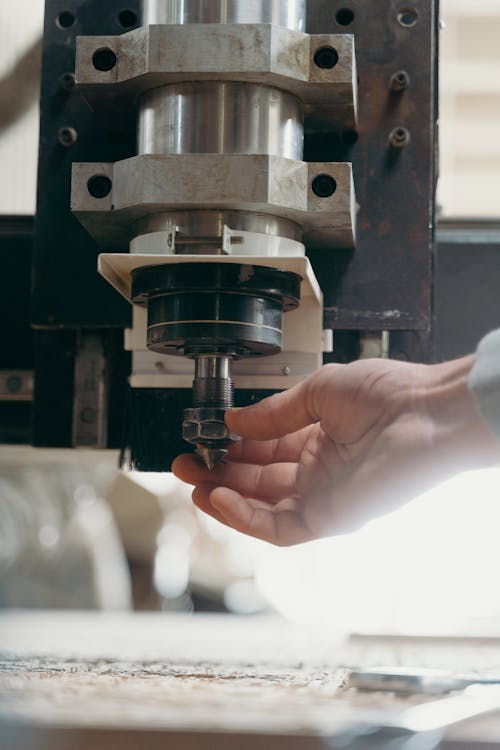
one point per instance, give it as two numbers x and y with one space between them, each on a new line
21 21
470 108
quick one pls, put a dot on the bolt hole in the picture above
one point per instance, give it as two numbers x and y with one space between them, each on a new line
99 186
324 186
104 59
326 57
65 20
408 17
127 19
344 16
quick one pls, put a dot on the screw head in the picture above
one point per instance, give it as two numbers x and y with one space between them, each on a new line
399 81
399 137
67 136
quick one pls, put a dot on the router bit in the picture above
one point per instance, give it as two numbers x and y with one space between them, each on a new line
204 424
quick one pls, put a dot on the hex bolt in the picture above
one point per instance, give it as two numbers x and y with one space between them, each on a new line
206 426
399 137
67 136
212 430
399 81
190 431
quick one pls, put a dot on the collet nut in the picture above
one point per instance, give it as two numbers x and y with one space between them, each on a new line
206 425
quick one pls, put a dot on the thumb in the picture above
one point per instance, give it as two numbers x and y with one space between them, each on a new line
277 415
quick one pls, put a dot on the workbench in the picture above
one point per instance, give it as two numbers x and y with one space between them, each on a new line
75 681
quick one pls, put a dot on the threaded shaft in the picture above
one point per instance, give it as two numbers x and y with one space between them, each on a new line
214 392
213 386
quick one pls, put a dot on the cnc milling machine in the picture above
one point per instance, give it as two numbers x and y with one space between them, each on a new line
251 176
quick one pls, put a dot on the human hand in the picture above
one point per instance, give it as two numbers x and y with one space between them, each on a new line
349 443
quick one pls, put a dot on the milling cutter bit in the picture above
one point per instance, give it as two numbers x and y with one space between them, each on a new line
204 425
210 456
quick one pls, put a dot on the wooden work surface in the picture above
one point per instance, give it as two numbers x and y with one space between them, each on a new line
79 681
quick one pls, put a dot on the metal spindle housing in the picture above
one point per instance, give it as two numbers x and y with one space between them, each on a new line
227 316
221 117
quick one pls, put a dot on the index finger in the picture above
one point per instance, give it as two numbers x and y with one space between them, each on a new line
264 452
288 411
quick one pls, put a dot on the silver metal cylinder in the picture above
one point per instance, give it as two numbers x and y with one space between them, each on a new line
213 117
288 13
213 366
211 224
212 385
220 117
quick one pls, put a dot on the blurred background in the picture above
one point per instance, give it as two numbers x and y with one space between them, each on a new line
76 533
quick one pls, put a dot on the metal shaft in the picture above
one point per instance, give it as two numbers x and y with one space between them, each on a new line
211 224
214 117
213 394
224 117
212 384
288 13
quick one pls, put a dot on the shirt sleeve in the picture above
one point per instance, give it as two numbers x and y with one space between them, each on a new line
484 380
